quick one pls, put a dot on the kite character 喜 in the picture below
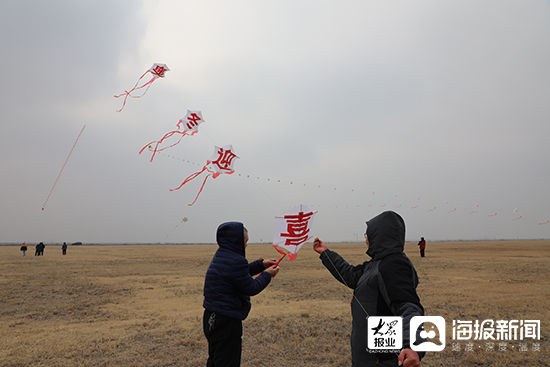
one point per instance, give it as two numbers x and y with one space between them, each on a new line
220 162
157 71
188 125
292 231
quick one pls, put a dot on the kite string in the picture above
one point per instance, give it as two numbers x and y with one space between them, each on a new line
353 294
63 167
344 281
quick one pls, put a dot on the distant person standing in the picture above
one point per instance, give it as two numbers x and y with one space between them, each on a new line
422 246
41 247
37 249
64 248
23 248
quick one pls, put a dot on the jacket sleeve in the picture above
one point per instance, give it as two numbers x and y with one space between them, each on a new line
399 285
341 270
245 284
256 267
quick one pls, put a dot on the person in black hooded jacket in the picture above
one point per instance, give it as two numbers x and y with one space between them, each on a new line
383 286
228 285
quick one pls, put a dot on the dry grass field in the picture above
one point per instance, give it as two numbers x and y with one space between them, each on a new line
142 305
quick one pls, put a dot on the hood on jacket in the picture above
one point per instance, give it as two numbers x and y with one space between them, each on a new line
386 235
230 236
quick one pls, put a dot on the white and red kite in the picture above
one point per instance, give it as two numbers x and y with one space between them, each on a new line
292 230
221 162
157 71
188 125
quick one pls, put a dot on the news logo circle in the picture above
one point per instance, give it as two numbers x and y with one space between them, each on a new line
427 333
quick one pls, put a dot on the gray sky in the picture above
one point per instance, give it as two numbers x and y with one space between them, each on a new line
355 106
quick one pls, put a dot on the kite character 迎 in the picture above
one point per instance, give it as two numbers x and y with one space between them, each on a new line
220 162
292 231
188 125
157 71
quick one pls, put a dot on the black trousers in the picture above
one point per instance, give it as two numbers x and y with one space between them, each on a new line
390 361
421 252
224 335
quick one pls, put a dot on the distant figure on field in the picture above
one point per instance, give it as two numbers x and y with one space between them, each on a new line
64 248
383 286
228 286
422 246
36 249
23 248
40 248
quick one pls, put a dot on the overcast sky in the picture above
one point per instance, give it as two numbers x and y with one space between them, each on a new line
438 110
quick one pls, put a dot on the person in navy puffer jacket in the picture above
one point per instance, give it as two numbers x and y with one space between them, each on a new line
228 286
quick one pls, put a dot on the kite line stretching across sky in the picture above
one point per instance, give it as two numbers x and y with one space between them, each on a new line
63 167
157 71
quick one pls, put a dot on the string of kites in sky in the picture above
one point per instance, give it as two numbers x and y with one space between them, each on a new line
417 204
222 160
292 229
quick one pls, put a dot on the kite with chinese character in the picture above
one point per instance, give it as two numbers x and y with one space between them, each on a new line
292 231
157 71
189 125
220 162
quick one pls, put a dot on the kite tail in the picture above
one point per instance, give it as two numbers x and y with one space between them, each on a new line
157 143
127 94
170 146
141 77
290 255
203 183
166 136
147 145
148 84
191 177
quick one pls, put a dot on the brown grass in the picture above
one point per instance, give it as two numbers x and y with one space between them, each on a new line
142 305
